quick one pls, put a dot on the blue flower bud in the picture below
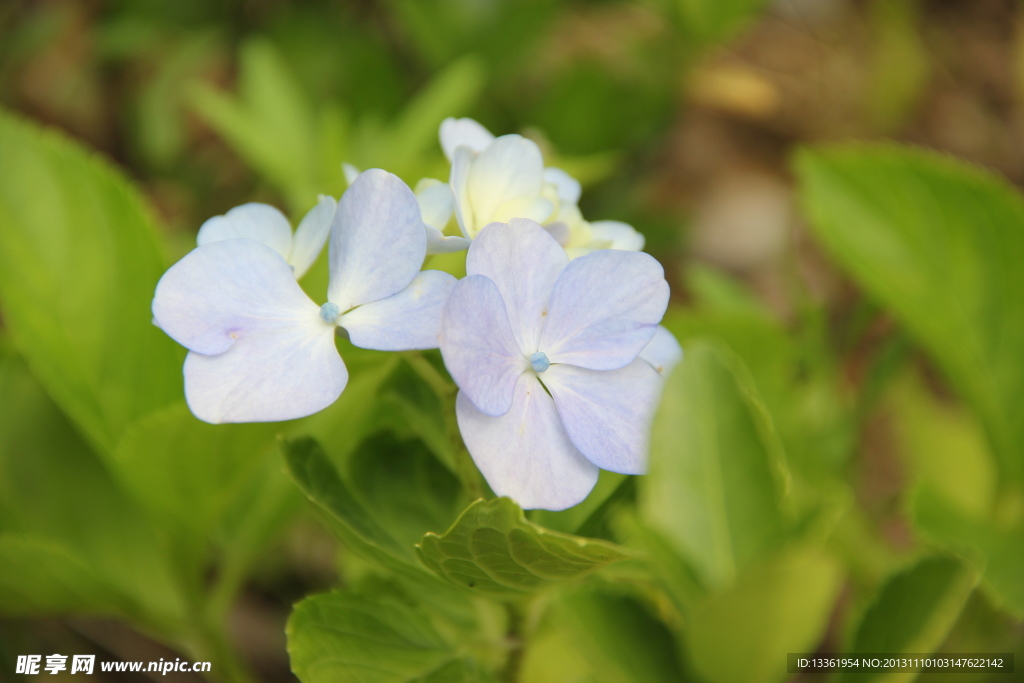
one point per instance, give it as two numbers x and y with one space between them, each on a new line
329 312
539 362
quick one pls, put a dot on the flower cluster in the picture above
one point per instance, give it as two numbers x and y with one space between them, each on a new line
552 337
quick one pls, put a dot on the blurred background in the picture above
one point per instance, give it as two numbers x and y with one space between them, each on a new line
679 120
679 123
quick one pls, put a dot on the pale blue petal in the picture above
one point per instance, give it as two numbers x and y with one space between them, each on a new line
568 188
311 235
377 240
617 235
260 222
607 413
663 352
524 261
604 309
478 347
271 375
455 133
438 243
436 203
408 320
525 454
458 180
222 291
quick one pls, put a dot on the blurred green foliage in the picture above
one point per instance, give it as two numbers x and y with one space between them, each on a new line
764 526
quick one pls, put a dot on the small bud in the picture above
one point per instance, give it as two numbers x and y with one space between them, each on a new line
539 361
329 313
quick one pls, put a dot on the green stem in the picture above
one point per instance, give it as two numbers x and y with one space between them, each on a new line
444 389
468 473
446 392
206 638
517 647
226 665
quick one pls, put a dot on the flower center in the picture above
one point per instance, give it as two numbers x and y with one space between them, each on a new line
539 361
329 313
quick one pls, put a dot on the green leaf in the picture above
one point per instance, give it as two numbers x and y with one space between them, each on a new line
940 244
592 512
459 671
796 382
56 493
954 484
945 446
493 549
299 147
996 546
43 577
160 133
450 93
270 124
350 521
913 613
409 491
319 480
717 473
79 261
408 406
188 471
796 374
618 639
713 290
264 504
343 637
343 425
218 489
742 634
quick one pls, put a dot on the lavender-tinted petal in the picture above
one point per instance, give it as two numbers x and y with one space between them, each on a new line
223 291
377 240
604 309
607 413
267 376
311 235
478 347
524 261
525 454
254 221
408 320
663 352
438 243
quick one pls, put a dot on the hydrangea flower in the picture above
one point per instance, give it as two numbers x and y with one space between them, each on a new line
545 354
494 179
264 223
260 349
436 207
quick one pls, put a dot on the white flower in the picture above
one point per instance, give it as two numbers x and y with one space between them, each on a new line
495 179
436 206
259 349
545 354
264 223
